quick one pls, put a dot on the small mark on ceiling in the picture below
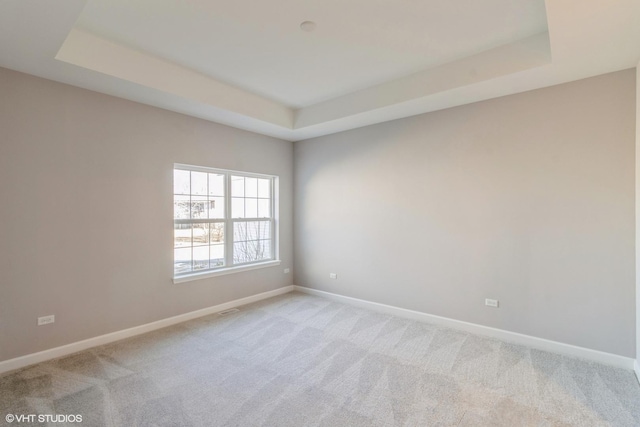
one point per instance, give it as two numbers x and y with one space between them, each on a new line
308 26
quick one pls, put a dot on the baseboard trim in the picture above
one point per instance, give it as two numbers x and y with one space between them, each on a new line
54 353
636 368
514 337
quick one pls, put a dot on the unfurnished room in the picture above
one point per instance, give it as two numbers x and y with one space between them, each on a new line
319 213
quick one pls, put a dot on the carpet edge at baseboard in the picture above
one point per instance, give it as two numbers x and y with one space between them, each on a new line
508 336
74 347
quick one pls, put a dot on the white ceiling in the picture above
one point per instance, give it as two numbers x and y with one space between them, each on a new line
247 64
258 46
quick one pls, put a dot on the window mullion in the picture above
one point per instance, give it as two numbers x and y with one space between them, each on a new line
228 224
191 213
272 203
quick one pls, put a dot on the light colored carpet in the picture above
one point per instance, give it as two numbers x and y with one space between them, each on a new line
300 360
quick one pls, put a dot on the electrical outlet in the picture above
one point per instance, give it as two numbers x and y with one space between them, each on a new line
287 271
45 320
491 302
333 276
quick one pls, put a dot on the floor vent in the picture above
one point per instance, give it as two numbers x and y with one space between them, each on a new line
227 312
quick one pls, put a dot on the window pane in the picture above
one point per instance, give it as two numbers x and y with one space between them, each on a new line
200 234
251 230
181 235
237 207
216 231
199 183
252 250
264 232
264 188
239 231
265 250
182 260
251 208
216 207
216 255
264 208
216 184
200 258
199 207
237 186
240 252
181 207
250 187
181 182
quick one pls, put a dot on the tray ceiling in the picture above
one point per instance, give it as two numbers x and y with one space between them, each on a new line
249 65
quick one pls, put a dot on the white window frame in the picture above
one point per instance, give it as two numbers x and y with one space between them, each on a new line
229 221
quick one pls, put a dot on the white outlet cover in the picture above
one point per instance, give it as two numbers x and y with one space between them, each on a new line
491 302
287 271
333 276
45 320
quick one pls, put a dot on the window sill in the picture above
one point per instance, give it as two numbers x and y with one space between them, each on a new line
223 271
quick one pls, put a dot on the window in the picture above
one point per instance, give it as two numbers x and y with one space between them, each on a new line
223 220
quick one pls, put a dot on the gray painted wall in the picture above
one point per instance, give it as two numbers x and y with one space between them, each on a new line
528 199
86 212
637 365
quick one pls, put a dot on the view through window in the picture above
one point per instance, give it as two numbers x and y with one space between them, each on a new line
221 219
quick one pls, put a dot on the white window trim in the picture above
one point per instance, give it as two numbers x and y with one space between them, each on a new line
223 271
229 268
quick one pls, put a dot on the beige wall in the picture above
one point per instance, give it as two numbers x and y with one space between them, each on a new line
638 220
528 199
86 212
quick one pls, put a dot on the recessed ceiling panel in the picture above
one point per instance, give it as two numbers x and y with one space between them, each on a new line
245 64
259 45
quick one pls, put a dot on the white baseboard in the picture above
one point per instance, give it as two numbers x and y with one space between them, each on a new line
53 353
539 343
636 368
514 337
